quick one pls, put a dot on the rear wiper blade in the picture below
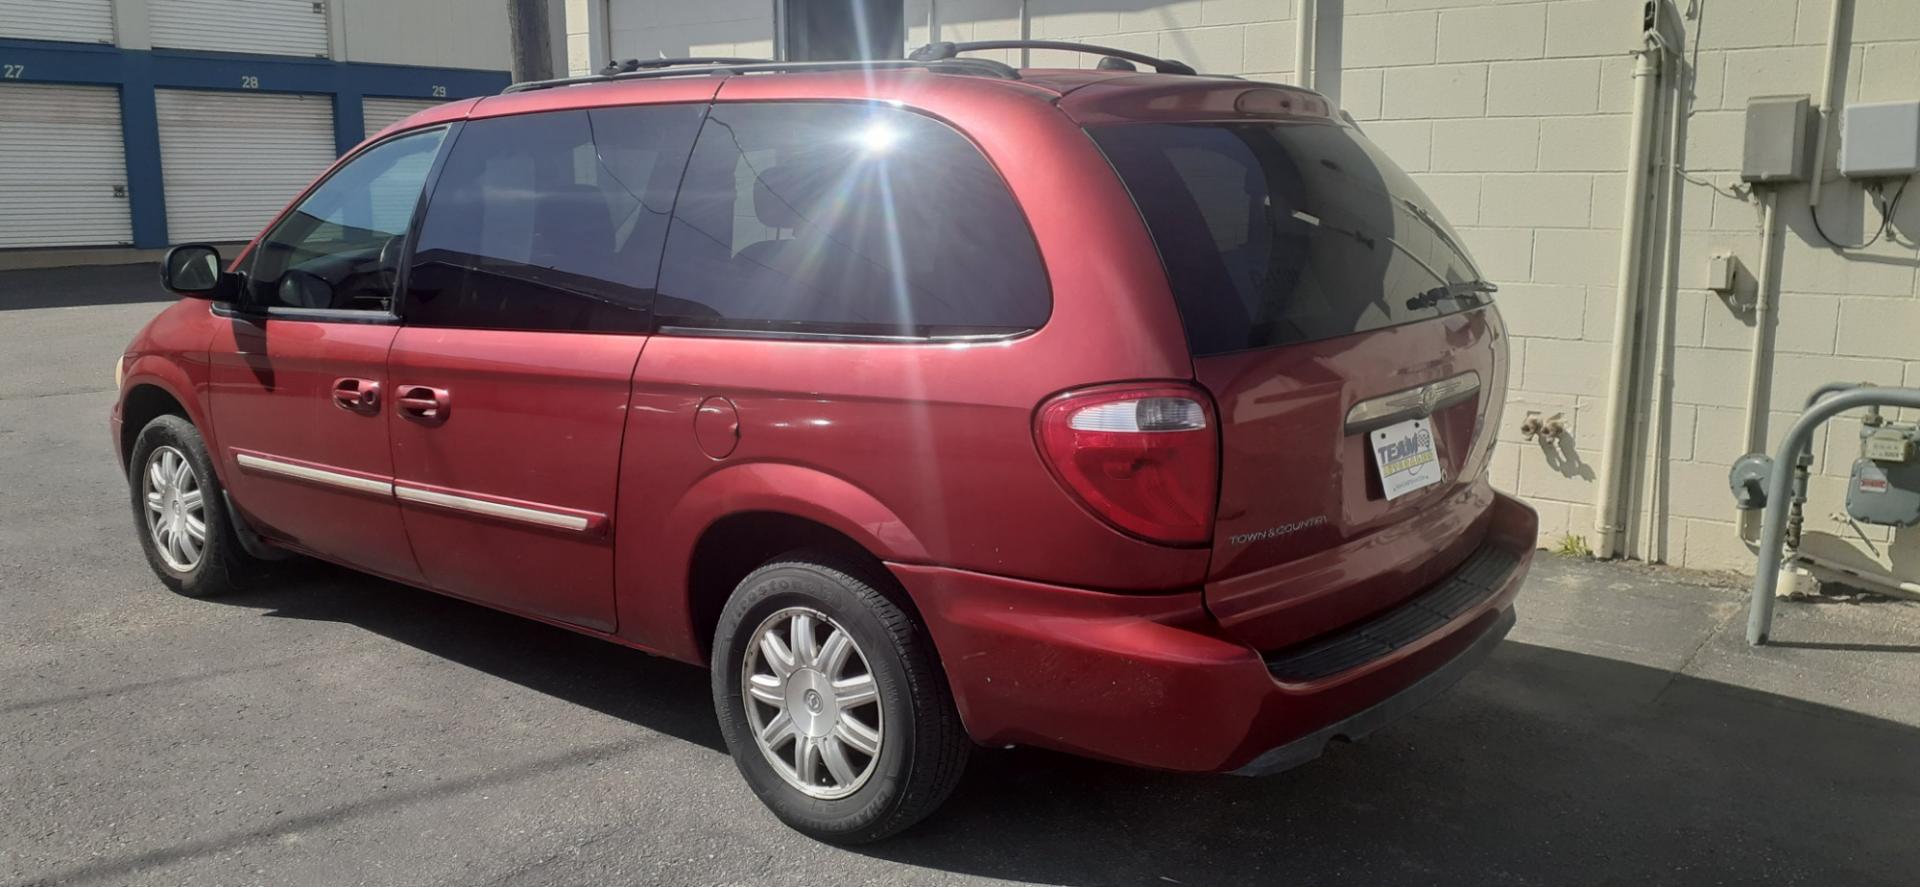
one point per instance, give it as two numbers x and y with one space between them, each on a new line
1464 291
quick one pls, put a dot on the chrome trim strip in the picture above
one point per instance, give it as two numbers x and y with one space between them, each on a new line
492 509
1412 403
316 475
809 336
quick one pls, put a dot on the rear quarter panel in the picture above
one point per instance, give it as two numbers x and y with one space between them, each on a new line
925 451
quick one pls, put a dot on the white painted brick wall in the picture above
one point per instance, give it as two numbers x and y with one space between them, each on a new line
1512 115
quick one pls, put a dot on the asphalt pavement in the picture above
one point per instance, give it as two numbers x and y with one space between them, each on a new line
339 730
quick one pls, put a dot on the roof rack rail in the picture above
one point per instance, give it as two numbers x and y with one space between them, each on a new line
975 67
947 50
630 65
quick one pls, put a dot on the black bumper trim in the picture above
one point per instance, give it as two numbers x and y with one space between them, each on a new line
1387 710
1469 585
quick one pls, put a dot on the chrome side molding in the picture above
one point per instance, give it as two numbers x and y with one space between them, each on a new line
556 519
322 476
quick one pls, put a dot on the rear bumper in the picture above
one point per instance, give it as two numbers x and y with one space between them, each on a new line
1152 681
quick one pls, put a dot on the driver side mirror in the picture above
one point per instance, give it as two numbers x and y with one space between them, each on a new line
193 270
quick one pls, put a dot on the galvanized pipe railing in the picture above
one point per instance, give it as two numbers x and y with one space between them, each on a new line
1780 488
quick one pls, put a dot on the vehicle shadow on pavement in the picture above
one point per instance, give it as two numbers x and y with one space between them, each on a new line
1545 767
606 677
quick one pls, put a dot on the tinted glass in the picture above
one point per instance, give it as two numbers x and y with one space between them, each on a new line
340 248
551 221
843 218
1279 233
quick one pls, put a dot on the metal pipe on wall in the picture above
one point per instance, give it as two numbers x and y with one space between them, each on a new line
1760 355
1825 121
1653 549
1026 33
1780 493
1626 312
1304 23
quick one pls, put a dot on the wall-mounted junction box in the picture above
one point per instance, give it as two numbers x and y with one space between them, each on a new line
1723 272
1776 147
1880 140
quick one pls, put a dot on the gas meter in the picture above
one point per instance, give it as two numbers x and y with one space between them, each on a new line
1885 487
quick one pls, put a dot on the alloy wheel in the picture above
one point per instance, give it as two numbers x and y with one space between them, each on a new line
175 508
812 703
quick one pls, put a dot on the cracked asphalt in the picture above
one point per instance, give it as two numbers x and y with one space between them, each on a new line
340 730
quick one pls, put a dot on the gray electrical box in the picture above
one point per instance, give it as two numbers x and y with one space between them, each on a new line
1880 140
1776 147
1885 486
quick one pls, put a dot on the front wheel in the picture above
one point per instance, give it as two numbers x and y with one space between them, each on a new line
181 512
832 701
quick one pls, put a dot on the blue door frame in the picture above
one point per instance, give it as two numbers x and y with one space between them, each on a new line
137 73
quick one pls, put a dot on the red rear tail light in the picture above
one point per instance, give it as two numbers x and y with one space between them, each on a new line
1144 458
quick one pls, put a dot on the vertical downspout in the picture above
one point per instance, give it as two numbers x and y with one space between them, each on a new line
1826 107
1303 29
1654 550
1026 33
1759 362
1613 456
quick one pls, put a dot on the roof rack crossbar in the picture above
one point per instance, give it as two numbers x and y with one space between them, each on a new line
947 50
975 67
630 65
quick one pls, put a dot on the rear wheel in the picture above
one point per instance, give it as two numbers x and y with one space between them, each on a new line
181 512
832 701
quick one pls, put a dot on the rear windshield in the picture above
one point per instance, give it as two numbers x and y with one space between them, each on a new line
1277 233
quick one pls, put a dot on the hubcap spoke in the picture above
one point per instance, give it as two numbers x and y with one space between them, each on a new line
777 730
778 657
805 650
835 756
190 500
850 692
858 736
833 653
806 760
767 689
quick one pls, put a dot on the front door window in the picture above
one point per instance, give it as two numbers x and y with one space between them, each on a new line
340 248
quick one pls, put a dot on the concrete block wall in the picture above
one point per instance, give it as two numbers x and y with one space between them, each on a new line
1513 114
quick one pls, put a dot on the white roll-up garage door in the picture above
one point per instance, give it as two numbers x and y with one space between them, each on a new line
274 27
63 167
382 113
80 21
231 160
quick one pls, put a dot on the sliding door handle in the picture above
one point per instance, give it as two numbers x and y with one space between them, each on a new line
356 395
422 402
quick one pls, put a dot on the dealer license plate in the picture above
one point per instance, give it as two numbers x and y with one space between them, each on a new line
1406 456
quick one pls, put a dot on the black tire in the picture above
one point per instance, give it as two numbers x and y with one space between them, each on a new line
925 747
223 566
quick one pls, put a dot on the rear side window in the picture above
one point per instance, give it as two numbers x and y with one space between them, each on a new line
1276 233
849 219
551 221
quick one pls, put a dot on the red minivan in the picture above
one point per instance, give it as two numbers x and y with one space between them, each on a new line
931 403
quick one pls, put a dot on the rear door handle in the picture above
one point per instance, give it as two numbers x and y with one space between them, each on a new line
356 395
423 402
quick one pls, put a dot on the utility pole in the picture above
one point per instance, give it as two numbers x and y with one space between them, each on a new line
532 43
